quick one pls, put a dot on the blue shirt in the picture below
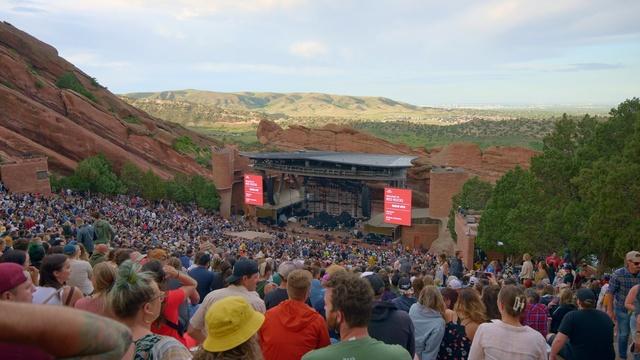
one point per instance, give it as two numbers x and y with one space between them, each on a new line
621 282
207 281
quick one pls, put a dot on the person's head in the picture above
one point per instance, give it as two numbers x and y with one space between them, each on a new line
245 273
36 253
458 254
586 298
405 287
348 301
54 271
203 259
449 296
526 257
156 268
566 296
104 276
532 296
442 258
490 300
135 296
158 254
265 270
231 328
431 298
470 306
511 301
101 249
175 263
285 269
122 255
632 259
71 250
425 280
299 285
15 283
377 284
15 256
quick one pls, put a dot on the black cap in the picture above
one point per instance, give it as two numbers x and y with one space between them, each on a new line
404 283
243 267
586 296
376 283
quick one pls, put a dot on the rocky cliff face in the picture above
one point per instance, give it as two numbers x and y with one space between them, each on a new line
489 164
38 117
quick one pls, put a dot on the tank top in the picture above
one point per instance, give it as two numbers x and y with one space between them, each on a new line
455 345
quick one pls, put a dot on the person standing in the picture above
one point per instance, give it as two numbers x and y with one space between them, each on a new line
85 235
292 328
207 279
104 231
349 301
622 280
428 316
457 268
586 334
507 338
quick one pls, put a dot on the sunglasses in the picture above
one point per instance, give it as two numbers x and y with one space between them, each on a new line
635 263
160 296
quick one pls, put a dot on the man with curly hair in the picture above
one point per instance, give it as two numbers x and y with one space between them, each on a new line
348 304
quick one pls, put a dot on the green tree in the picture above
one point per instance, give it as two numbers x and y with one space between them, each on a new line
474 195
205 193
96 175
180 190
131 176
153 187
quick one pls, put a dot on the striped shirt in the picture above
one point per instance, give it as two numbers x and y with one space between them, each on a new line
621 282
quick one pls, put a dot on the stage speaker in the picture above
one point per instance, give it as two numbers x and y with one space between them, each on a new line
269 186
365 202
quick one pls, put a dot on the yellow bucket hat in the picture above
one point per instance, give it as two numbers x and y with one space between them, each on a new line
230 322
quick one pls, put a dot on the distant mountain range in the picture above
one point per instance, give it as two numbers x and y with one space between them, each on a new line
196 106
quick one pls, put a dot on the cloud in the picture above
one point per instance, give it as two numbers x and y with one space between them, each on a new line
308 49
575 67
266 69
91 59
27 9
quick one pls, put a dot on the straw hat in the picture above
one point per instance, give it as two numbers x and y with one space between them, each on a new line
230 322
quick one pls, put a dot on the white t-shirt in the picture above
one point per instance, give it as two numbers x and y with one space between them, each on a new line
498 340
81 273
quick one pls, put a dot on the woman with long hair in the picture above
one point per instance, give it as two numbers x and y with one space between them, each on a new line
104 275
459 332
442 270
54 273
428 316
136 301
508 338
490 300
541 272
232 325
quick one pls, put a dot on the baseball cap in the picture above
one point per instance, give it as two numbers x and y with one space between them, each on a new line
70 248
586 296
286 268
404 283
11 275
230 322
243 267
632 255
376 283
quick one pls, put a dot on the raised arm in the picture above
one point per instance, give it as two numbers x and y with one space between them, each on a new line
66 332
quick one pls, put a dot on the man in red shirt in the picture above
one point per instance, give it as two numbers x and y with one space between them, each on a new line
292 328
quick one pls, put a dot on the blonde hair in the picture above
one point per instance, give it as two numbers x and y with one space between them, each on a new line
566 296
298 283
132 289
470 306
104 275
431 298
526 257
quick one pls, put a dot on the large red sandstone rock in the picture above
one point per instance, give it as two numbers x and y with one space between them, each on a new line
39 118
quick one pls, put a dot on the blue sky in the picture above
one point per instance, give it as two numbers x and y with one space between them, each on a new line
423 52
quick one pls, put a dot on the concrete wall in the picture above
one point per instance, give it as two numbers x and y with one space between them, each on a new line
419 235
22 176
223 176
444 183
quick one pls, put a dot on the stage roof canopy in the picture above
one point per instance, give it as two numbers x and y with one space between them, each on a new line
361 159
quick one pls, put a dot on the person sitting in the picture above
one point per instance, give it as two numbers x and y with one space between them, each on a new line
535 314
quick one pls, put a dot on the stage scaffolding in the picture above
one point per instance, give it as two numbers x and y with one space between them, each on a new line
334 197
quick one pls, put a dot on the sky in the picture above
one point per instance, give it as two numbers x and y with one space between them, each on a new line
553 52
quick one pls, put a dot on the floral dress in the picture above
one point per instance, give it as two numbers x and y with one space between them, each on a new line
455 345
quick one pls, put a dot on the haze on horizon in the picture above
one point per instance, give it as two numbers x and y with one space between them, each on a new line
420 52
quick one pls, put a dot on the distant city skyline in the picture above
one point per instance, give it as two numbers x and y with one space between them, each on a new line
487 53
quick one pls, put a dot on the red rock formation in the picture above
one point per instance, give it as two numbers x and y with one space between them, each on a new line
39 118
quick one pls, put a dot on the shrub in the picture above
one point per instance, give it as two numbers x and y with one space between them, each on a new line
132 119
69 81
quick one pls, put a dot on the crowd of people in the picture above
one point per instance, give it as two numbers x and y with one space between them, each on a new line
168 281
